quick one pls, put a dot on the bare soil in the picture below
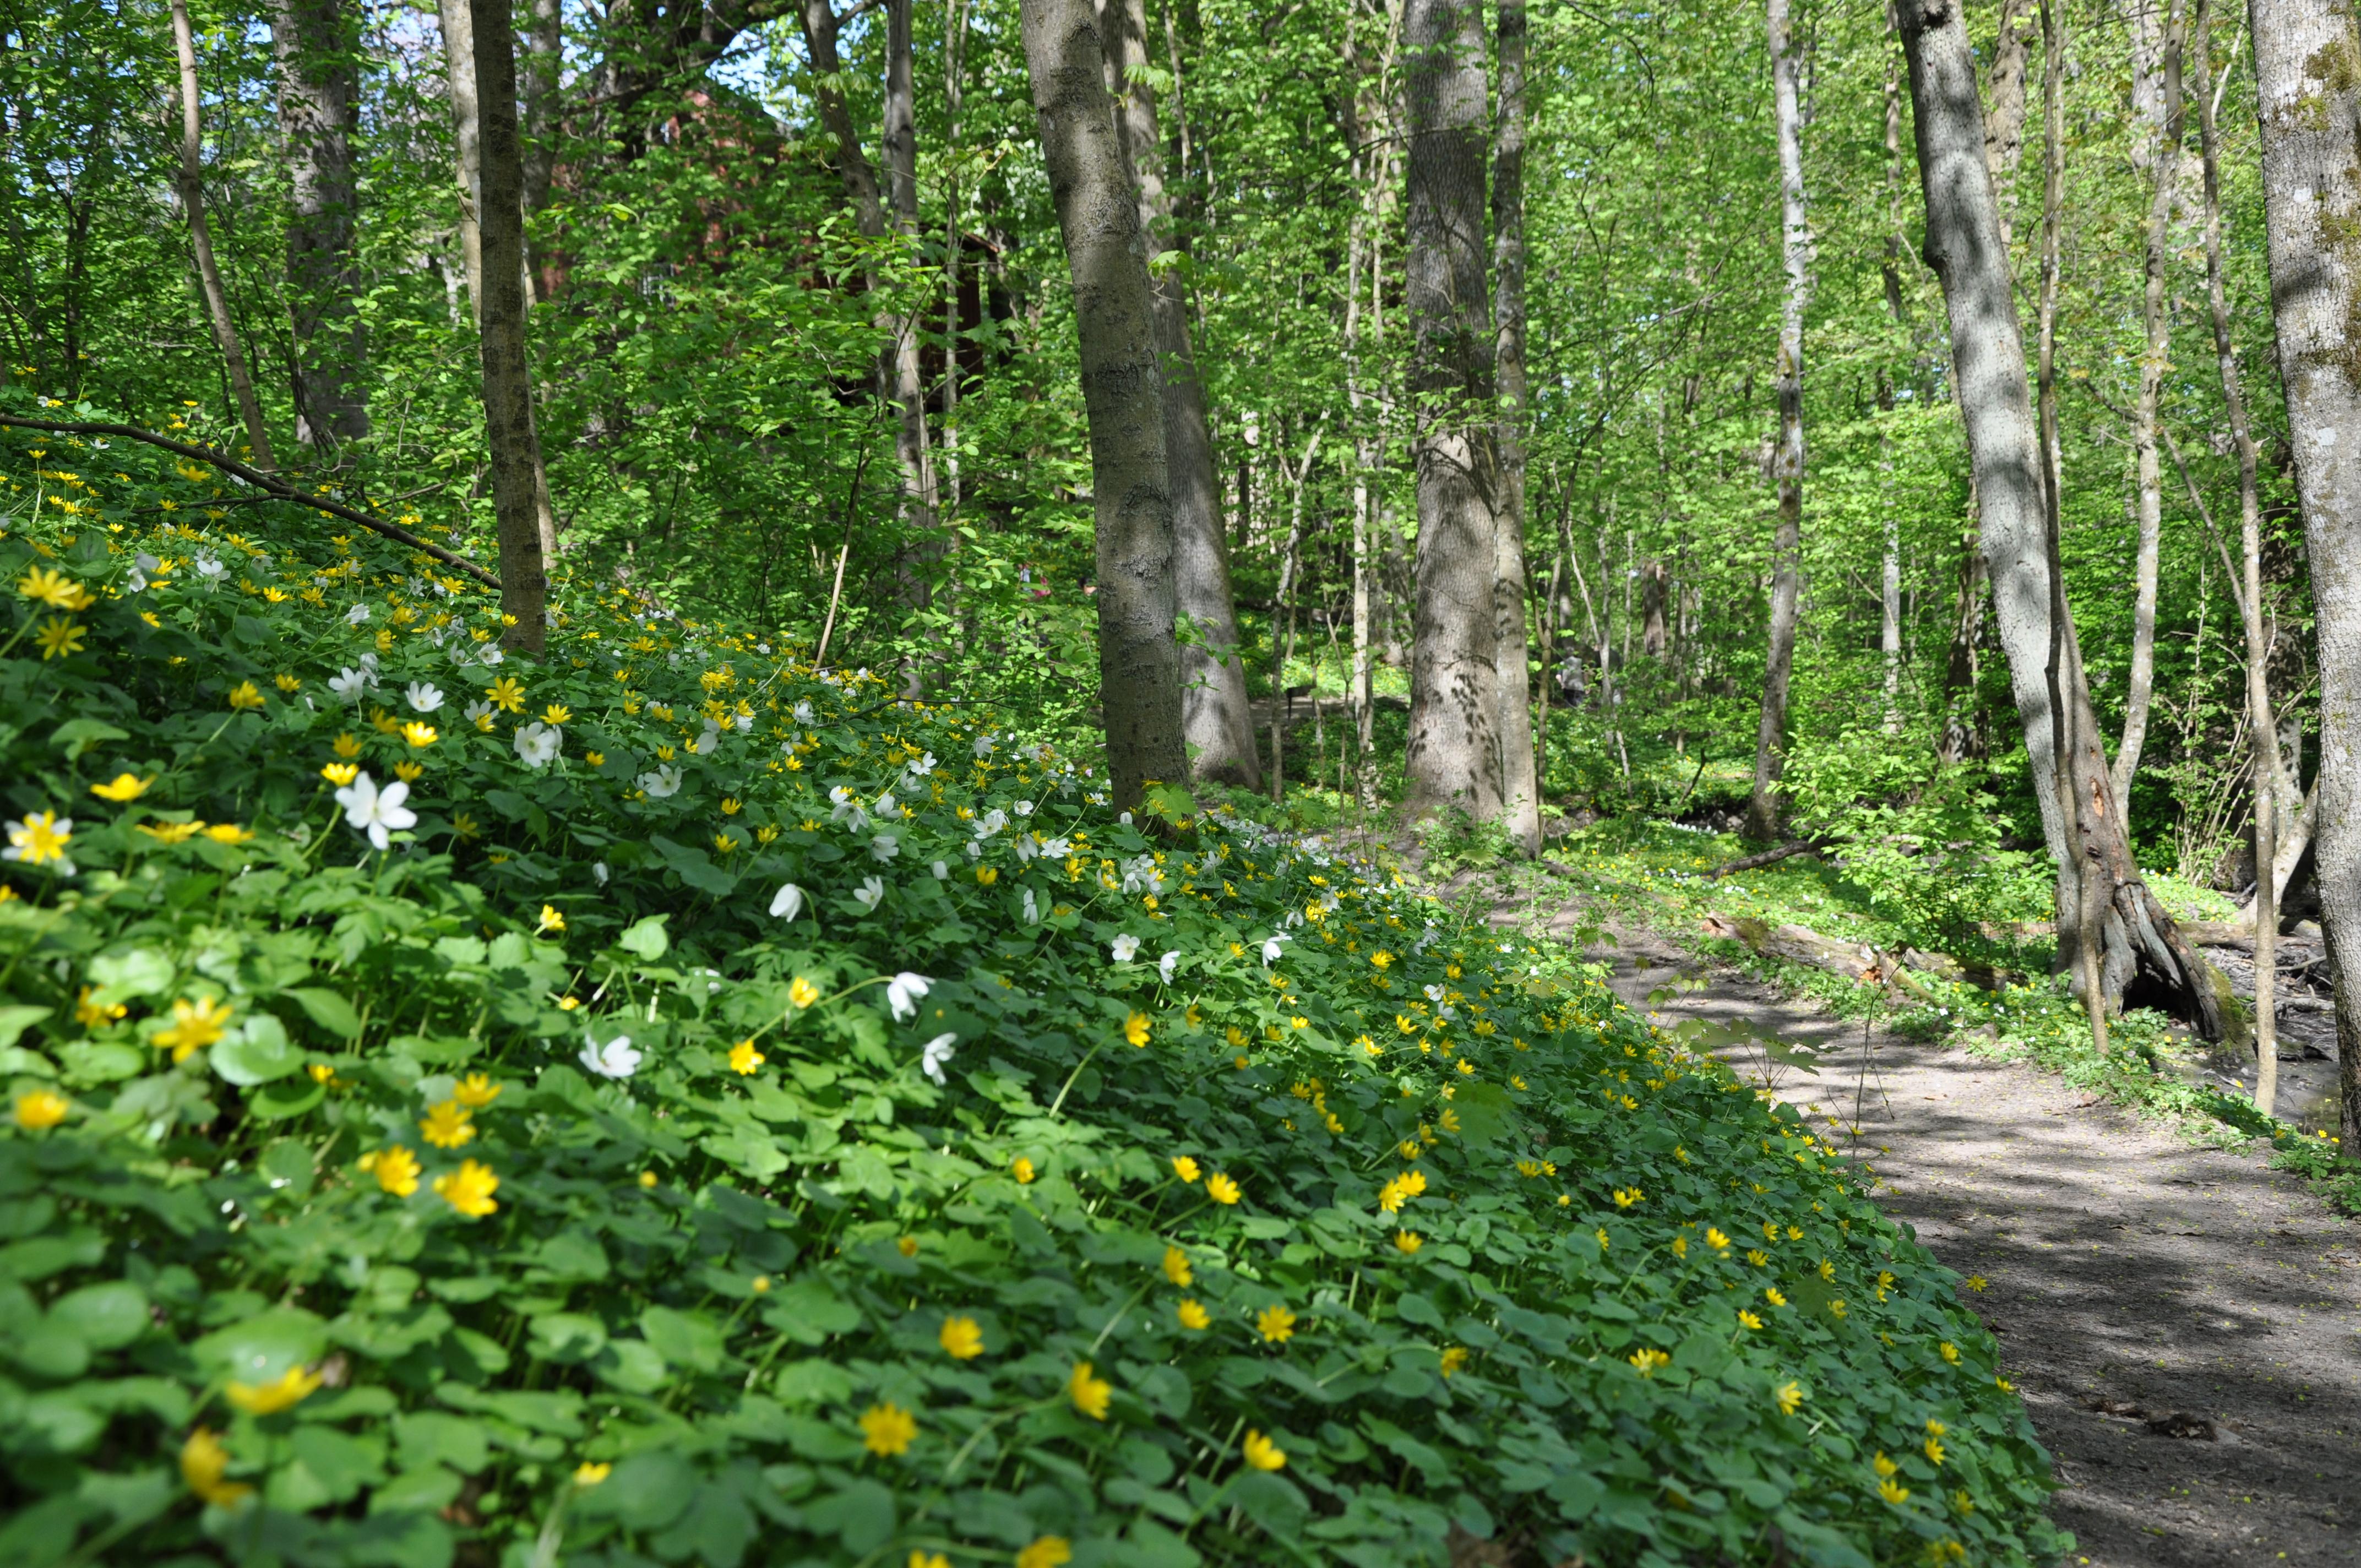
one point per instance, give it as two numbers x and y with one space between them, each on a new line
2183 1323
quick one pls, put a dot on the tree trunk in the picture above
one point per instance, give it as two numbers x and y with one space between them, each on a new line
507 378
901 154
1123 394
2309 93
1989 372
2157 317
459 73
537 84
1217 721
192 201
319 89
1453 755
2004 118
1762 813
1520 786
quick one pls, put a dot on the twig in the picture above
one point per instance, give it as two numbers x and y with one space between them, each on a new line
851 513
266 482
1767 857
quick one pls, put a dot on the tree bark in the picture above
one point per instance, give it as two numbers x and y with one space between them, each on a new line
2156 316
1762 813
1123 393
2004 117
319 89
1989 372
1520 784
192 201
507 378
1454 754
900 140
1217 721
2308 80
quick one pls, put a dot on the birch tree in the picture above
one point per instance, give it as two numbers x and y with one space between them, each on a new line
319 89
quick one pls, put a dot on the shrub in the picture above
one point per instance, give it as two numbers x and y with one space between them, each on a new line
715 1101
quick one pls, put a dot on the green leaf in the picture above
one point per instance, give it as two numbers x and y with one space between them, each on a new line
647 937
329 1010
646 1491
264 1346
686 1339
76 736
861 1517
15 1021
255 1050
104 1317
566 1336
288 1097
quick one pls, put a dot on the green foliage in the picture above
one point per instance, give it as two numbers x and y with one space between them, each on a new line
546 1180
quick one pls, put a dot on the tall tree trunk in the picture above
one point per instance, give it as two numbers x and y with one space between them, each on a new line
2308 78
1762 813
954 240
537 82
319 90
507 378
1989 373
2158 319
1453 755
1123 394
1520 784
2005 114
900 149
1216 718
2053 223
192 201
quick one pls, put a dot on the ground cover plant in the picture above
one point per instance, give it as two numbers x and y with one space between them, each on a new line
660 1103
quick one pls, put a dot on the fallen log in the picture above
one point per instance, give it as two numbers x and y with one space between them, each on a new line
1763 858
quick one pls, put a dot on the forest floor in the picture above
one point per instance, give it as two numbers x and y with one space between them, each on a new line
2184 1324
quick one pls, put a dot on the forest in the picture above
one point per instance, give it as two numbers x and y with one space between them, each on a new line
750 750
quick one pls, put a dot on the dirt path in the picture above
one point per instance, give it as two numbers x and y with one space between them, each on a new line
2140 1286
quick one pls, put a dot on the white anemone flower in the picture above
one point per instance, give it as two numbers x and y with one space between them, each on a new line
1272 948
982 747
477 711
884 847
923 766
1032 908
356 615
991 822
934 1053
1055 847
902 994
616 1059
871 893
348 684
424 695
789 902
662 784
1125 948
1167 964
1023 808
1027 847
942 870
887 807
375 812
803 713
1434 994
537 744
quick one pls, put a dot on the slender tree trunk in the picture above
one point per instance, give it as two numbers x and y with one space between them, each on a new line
953 240
1989 374
1123 393
2005 114
319 89
2310 92
192 201
1453 755
1897 246
1216 718
1283 603
507 378
537 82
1762 813
901 155
2158 319
1520 784
2053 223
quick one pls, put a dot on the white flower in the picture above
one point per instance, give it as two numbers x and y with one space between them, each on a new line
703 745
1124 948
871 893
356 615
902 994
210 568
616 1059
26 835
493 656
934 1053
374 811
991 822
663 783
1055 847
982 747
884 847
841 804
1024 809
974 850
1434 994
886 807
745 722
600 870
537 744
789 902
348 684
1032 908
1027 847
803 713
1167 964
424 696
1270 949
477 711
923 766
942 870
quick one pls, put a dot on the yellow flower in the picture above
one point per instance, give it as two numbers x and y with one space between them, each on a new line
1263 1454
724 843
243 696
1758 1258
1184 1167
204 1461
1771 1295
447 1126
122 788
1276 1324
195 1025
987 876
1176 1268
556 713
475 1091
41 836
1192 1317
744 1059
1022 1168
588 1474
886 1428
506 694
419 733
802 993
171 832
1221 1189
1453 1360
1645 1362
1134 1028
396 1170
1680 1246
1049 1551
288 684
1788 1397
269 1398
59 637
1716 1240
1950 1352
963 1340
907 1247
647 1178
1934 1449
1894 1492
346 747
1748 1319
469 1189
1626 1196
599 760
92 1015
229 833
340 773
550 920
1090 1394
731 805
41 1109
1974 1281
48 586
919 1559
1408 1241
1828 1270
